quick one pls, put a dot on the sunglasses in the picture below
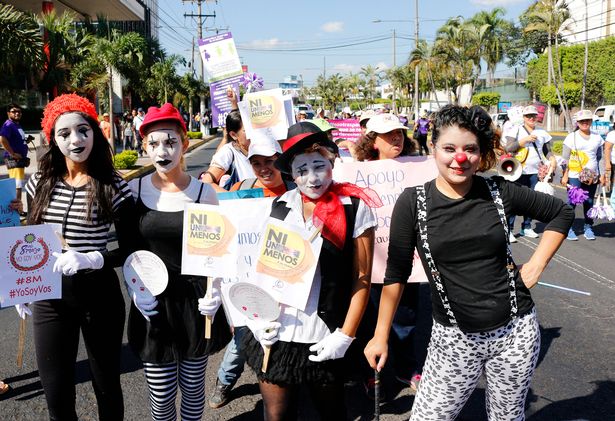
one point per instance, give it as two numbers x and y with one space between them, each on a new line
530 116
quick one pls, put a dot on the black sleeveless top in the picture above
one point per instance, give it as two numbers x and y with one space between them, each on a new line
177 332
336 268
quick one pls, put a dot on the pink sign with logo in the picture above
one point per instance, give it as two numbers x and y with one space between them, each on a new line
348 129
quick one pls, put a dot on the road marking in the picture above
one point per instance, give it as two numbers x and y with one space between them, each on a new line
563 288
570 264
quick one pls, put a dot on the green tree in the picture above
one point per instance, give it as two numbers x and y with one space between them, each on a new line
21 41
549 17
492 29
371 78
164 81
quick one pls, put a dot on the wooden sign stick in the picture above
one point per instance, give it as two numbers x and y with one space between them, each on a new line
21 342
208 319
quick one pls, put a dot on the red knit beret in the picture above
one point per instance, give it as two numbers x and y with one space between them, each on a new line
64 104
165 113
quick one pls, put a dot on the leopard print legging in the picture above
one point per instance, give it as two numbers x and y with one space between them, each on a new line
456 360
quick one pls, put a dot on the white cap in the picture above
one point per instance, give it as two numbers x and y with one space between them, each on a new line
347 110
530 110
264 148
384 123
583 115
366 115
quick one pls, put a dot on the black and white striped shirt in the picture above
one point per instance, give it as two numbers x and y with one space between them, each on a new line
68 207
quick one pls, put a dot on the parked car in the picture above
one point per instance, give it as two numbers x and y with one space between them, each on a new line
499 118
605 113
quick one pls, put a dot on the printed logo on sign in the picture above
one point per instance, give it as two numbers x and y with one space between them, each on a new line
264 111
284 254
209 233
29 254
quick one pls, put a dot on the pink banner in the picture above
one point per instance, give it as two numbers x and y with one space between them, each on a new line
348 129
389 178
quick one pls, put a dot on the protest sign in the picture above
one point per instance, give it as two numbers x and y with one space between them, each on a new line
208 241
220 57
145 274
348 129
263 115
241 194
389 178
220 104
8 216
28 275
286 262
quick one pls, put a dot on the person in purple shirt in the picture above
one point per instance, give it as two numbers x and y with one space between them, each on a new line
13 141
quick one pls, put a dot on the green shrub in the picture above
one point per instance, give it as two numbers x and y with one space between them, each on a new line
125 159
195 135
557 147
572 93
486 99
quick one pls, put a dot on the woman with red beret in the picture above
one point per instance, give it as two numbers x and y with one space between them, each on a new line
77 187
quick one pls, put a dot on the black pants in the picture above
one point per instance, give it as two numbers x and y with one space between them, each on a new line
422 139
93 304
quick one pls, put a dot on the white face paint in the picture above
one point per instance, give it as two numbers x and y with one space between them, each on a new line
164 147
74 136
312 173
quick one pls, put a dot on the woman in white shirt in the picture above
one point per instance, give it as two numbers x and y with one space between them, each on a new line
583 150
307 346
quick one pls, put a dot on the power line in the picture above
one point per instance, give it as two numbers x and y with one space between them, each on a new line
312 49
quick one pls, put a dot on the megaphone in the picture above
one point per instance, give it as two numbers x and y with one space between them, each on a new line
509 168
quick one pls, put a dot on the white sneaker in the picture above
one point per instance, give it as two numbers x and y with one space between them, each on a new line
528 233
512 238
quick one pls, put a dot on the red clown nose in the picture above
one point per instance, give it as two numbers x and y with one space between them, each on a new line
460 157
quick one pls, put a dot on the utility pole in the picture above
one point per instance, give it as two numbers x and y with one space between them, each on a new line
392 78
201 17
585 59
416 69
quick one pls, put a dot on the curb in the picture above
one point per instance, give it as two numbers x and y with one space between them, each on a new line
146 169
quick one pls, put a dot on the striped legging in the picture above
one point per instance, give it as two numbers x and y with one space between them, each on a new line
162 380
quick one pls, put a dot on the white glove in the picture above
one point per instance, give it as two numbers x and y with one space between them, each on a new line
145 305
266 333
209 306
23 310
72 261
331 347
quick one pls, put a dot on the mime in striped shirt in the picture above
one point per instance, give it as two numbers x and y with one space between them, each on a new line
77 187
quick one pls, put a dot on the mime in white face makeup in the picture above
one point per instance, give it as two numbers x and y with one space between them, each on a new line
165 149
313 174
74 136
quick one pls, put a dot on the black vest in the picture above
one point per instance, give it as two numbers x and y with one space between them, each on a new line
336 268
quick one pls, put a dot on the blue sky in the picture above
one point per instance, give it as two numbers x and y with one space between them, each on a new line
261 28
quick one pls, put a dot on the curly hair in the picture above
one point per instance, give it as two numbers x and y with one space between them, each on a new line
475 120
364 148
52 168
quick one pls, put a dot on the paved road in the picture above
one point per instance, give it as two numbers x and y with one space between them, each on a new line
575 379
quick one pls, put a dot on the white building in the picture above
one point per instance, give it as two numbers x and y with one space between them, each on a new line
600 20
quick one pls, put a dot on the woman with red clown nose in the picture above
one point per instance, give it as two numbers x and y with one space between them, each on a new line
307 347
484 317
77 187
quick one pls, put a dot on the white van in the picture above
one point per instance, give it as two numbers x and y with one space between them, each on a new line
605 113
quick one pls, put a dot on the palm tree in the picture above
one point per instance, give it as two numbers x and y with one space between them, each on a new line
164 79
492 28
21 41
550 17
353 86
424 56
372 78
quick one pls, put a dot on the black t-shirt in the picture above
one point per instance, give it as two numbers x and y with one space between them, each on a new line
468 244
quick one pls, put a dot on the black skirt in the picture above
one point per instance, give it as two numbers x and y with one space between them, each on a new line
289 363
177 332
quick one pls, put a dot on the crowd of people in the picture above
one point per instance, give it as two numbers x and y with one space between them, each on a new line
461 224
